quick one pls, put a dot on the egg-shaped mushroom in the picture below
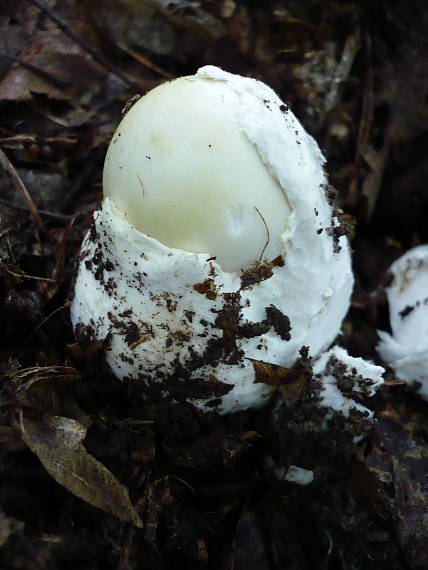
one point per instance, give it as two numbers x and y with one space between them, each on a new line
217 245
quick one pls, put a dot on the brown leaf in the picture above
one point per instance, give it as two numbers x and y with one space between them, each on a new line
290 381
18 21
158 27
51 64
273 375
57 442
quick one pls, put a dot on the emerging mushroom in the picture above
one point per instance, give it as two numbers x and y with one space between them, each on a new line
406 350
217 244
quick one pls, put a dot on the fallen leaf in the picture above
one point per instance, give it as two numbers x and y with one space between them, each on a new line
51 64
58 443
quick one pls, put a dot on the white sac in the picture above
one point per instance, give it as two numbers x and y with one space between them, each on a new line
406 350
332 367
163 306
292 473
299 476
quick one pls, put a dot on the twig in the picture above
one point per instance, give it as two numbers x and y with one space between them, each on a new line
20 187
267 231
366 119
6 231
26 276
365 125
63 246
188 485
95 55
146 61
17 141
46 213
38 327
12 255
42 324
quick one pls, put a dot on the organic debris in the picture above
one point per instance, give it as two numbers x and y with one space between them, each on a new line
96 476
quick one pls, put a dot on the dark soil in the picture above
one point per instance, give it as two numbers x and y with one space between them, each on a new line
92 475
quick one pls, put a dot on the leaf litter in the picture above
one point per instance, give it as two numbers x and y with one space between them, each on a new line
93 474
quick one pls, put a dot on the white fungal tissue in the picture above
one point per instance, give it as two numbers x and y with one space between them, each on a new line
216 245
292 473
299 476
406 349
344 379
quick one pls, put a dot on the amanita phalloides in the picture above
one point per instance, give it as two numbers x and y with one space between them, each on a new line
216 246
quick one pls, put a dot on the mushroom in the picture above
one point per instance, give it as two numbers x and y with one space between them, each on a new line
217 245
406 349
344 379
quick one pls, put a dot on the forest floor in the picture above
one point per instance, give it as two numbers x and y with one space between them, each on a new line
94 477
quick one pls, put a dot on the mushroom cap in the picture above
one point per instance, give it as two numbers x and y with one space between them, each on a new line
180 168
406 349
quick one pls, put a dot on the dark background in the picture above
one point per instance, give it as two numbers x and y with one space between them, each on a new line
355 74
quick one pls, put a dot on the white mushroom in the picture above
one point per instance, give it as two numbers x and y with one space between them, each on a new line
343 378
193 179
406 349
216 244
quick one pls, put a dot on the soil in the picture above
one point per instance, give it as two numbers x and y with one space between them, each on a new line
93 475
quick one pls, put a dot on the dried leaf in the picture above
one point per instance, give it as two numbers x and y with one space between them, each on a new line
51 64
57 442
274 375
159 27
18 21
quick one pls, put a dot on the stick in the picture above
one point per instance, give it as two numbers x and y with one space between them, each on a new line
20 187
